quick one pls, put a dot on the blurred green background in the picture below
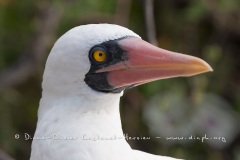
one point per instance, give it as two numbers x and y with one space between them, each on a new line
206 105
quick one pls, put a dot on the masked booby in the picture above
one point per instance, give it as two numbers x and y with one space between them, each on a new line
86 73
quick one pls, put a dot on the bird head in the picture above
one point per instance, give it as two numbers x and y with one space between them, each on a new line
106 58
86 72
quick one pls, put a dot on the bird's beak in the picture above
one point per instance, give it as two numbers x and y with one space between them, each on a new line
146 63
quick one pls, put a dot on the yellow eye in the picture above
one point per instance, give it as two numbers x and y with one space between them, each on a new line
99 56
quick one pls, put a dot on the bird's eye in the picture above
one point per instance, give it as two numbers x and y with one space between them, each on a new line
98 55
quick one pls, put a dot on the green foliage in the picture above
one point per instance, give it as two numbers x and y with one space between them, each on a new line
196 11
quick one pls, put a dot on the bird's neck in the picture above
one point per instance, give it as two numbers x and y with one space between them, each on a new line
84 113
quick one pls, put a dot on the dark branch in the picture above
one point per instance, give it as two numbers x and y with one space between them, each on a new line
150 23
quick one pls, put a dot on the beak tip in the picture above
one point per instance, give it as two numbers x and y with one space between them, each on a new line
200 66
211 70
208 67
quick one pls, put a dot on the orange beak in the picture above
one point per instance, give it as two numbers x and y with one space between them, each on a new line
146 63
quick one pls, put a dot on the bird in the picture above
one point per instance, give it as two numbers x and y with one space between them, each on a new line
86 73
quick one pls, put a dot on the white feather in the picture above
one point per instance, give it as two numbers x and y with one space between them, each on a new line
71 109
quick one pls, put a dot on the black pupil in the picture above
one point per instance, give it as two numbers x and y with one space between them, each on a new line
100 54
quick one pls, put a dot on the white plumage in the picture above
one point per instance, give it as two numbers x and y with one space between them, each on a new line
71 114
